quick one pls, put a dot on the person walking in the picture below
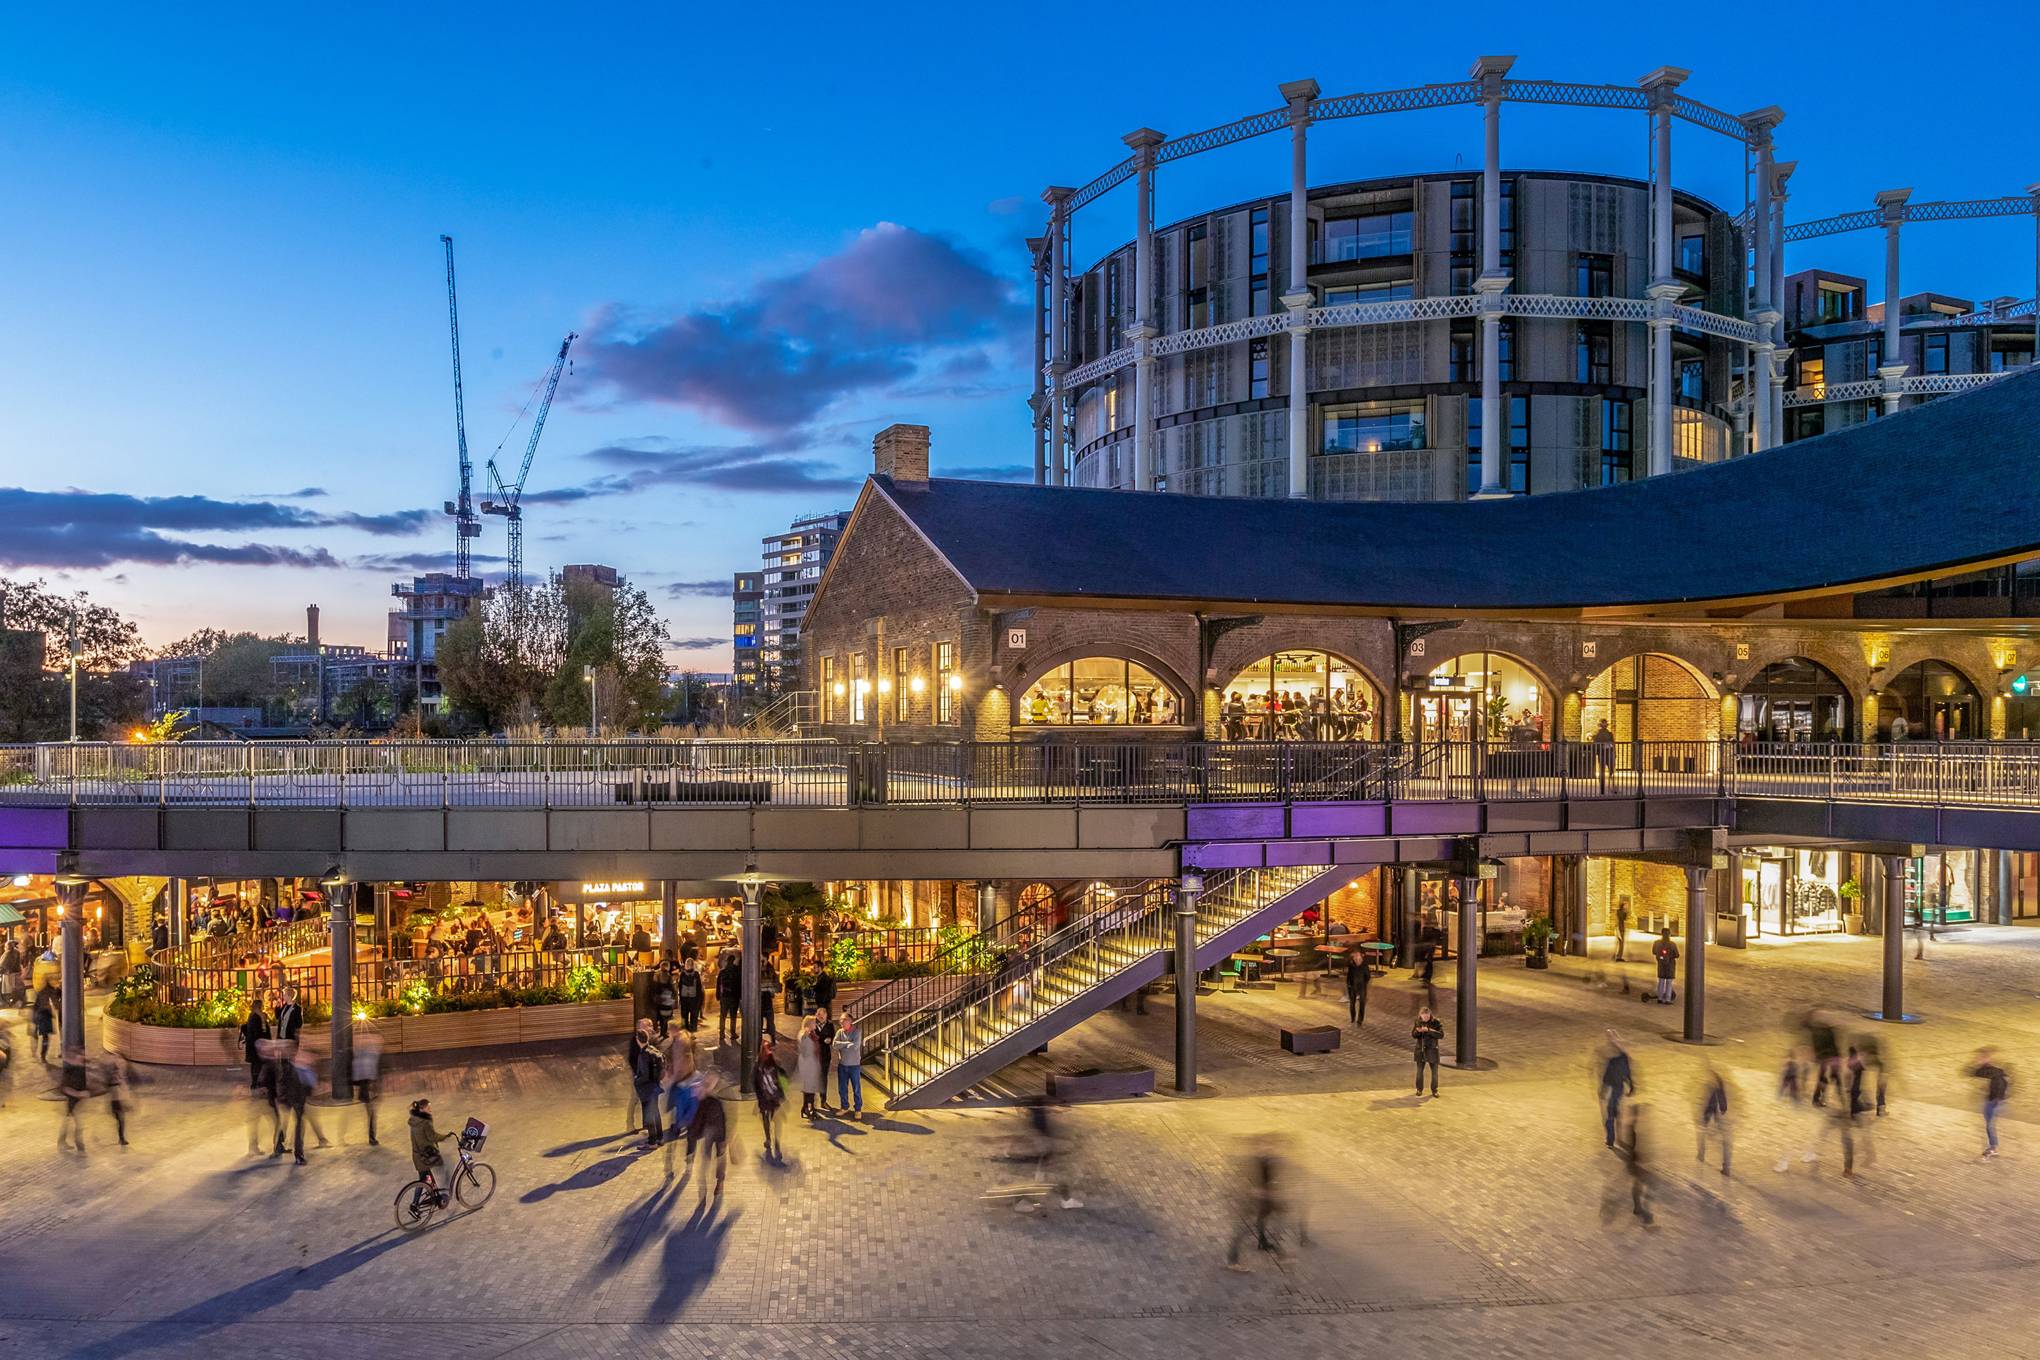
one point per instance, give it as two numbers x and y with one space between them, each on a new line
367 1071
1827 1054
289 1021
10 974
665 997
647 1069
768 998
299 1082
1358 975
113 1070
75 1086
689 989
43 1021
766 1079
1604 753
1666 952
1263 1205
1714 1116
1618 1082
709 1130
254 1032
1997 1088
1630 1147
808 1067
729 996
849 1052
1621 927
1428 1033
1872 1051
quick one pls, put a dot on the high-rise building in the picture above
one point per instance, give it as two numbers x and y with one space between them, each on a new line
793 566
427 605
747 592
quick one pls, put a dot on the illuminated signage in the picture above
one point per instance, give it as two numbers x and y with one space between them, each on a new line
2020 684
612 889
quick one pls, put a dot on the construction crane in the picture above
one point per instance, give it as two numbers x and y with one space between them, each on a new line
465 523
508 500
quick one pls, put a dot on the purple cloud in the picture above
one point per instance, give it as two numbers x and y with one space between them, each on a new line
772 360
86 529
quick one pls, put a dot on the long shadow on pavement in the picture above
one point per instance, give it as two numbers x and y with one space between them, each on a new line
693 1251
587 1178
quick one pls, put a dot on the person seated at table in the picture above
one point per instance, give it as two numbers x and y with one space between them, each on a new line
1143 709
1235 717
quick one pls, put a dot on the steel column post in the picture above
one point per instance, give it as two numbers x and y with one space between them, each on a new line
2001 863
1037 253
753 1019
1143 141
1892 368
1494 422
1660 85
2034 191
1696 954
1299 94
1466 1049
1894 938
340 920
1188 888
1406 880
1781 171
180 912
987 906
71 943
1056 197
669 919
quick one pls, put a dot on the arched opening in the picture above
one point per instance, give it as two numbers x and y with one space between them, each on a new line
1936 701
1795 700
1303 695
1099 691
1483 696
1651 697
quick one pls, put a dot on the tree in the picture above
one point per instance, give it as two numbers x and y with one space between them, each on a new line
528 655
105 639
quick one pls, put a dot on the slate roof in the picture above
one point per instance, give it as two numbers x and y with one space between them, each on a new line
1936 489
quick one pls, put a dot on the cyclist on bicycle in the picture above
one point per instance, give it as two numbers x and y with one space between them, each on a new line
425 1141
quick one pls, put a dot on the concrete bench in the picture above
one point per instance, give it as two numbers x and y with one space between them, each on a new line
1092 1084
1314 1039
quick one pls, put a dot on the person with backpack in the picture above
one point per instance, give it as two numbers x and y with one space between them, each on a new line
1667 955
689 991
647 1070
729 996
665 997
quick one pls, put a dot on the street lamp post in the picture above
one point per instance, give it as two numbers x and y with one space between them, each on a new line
753 885
74 689
594 715
71 885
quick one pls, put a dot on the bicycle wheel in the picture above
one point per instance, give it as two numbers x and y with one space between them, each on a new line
474 1185
416 1203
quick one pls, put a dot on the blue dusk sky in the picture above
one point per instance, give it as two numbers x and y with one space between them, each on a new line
224 355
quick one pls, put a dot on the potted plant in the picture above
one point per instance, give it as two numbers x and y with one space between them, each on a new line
1852 906
1537 933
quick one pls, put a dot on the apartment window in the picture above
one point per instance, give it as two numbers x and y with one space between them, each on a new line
1837 302
1464 221
2004 360
1618 447
1873 354
1259 242
899 684
1461 350
1257 369
1691 256
1112 402
1693 379
1460 281
1519 445
1400 290
945 682
1505 351
1473 439
1197 258
1115 333
1508 205
1200 308
1593 276
1372 237
1374 427
1813 373
1593 354
1936 354
1260 304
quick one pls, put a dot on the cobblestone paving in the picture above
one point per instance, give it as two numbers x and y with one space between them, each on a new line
1489 1222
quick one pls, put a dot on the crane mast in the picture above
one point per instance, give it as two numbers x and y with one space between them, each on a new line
465 523
509 499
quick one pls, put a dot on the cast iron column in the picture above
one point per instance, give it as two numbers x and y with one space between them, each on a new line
987 906
72 932
1494 421
1037 251
1758 388
1143 141
753 1019
1467 1049
1892 365
180 913
1406 904
669 919
1298 94
1188 888
1660 86
1696 954
340 916
1894 938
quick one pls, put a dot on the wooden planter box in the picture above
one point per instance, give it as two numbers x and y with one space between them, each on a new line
400 1034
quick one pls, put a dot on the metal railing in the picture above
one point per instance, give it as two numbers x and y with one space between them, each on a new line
264 942
376 979
832 774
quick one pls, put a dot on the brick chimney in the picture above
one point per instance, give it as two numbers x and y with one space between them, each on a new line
312 626
901 453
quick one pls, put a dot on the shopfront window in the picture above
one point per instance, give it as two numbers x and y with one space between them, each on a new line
1374 427
1786 891
1937 702
1794 700
1307 696
1099 691
1483 696
1651 698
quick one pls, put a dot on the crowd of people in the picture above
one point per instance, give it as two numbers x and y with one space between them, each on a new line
1297 715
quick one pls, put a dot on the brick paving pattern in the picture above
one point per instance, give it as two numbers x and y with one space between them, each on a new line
1490 1222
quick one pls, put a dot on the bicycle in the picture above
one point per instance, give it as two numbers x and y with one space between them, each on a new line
470 1185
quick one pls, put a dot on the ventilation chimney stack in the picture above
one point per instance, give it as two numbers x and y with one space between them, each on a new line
901 453
312 627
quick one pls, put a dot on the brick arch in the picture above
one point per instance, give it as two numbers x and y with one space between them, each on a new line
1905 656
1697 717
1229 674
1187 701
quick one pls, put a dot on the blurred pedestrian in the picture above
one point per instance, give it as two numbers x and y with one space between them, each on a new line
1621 925
1997 1088
74 1086
1631 1147
366 1076
1261 1209
647 1069
113 1071
1827 1054
43 1021
665 997
849 1052
709 1129
808 1067
1358 975
1714 1116
1667 955
298 1082
729 996
690 989
254 1032
766 1080
1428 1032
1618 1082
1872 1050
1050 1148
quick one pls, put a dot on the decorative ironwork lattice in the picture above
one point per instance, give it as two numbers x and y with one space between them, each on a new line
1566 92
1246 328
1254 125
1930 383
1861 390
1102 185
1834 226
1098 368
1713 119
1398 101
1389 313
1576 308
1956 210
1713 323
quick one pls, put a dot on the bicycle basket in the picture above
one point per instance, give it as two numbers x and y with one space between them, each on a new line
474 1135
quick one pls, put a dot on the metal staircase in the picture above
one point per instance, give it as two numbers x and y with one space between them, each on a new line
942 1034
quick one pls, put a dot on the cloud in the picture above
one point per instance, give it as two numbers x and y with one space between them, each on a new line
1002 472
75 528
394 524
696 644
863 320
776 465
69 546
419 561
710 589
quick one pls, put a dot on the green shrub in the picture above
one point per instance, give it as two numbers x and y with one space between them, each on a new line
583 980
139 984
848 958
884 969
